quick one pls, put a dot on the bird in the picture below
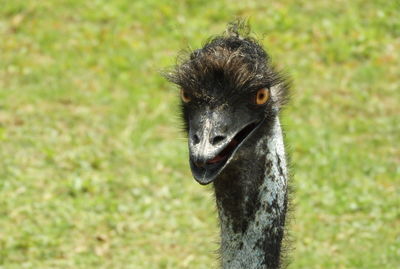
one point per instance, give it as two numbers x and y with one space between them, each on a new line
231 98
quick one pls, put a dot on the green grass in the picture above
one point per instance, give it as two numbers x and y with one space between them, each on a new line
93 170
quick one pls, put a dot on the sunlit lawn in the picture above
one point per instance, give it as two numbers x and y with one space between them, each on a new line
93 170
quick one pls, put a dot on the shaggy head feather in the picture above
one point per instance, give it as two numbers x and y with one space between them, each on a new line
231 63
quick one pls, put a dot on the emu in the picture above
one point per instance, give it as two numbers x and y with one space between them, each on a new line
231 97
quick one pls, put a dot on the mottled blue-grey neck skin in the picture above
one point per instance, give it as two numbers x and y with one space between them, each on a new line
251 197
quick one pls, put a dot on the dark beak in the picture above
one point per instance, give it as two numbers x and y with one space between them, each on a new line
213 141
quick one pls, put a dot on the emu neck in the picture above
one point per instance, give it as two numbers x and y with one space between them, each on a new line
252 201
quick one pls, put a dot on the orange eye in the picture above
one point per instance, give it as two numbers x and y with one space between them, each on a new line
185 96
262 96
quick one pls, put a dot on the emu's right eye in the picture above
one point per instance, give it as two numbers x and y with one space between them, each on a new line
185 96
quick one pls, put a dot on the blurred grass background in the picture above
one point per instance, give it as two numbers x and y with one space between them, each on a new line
93 170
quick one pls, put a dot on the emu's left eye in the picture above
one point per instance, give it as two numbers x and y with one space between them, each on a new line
262 96
185 96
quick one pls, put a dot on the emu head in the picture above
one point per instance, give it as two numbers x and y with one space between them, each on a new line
230 95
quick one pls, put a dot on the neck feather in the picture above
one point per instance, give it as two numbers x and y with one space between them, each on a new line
252 202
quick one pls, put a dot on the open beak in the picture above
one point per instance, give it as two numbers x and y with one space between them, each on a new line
211 149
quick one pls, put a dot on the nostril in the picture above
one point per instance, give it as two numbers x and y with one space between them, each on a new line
196 139
217 139
200 164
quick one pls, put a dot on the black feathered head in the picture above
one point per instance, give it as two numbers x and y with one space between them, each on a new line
229 89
